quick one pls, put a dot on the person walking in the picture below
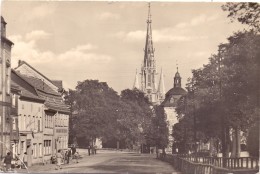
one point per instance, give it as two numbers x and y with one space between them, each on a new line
59 158
8 161
95 149
88 150
18 161
25 160
74 155
68 156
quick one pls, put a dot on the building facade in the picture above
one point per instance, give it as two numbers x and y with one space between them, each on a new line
30 120
155 92
15 94
170 103
55 128
5 92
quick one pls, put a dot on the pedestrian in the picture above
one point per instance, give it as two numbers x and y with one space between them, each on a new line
88 150
68 156
73 152
8 161
95 149
25 160
59 158
73 149
76 157
18 161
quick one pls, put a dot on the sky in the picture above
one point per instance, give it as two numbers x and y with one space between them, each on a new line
78 40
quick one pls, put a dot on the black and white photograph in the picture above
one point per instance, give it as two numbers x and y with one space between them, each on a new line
129 87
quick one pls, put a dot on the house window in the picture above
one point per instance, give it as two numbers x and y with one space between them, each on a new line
39 125
13 100
47 147
40 149
35 150
14 124
22 147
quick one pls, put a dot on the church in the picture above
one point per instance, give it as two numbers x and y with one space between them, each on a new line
156 93
169 105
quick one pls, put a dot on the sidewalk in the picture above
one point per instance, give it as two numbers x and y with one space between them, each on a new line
85 160
51 167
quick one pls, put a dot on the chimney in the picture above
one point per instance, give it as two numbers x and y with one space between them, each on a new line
19 62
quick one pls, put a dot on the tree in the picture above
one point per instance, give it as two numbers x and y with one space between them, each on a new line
158 133
245 12
137 117
93 106
225 91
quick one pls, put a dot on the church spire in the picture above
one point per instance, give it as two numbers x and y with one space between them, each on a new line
161 87
149 51
148 70
136 82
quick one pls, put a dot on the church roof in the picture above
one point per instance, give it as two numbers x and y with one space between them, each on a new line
176 91
177 74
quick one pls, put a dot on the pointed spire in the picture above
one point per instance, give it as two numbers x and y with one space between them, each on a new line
161 87
136 82
149 51
177 65
149 20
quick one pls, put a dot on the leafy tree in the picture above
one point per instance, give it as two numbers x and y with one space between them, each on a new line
137 117
224 90
157 133
93 106
245 12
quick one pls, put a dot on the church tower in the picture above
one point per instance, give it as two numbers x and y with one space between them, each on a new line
148 69
177 80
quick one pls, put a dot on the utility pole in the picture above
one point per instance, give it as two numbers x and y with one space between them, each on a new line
223 126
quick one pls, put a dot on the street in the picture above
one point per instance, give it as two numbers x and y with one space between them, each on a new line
109 162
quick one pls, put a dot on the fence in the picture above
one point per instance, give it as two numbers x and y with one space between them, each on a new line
191 164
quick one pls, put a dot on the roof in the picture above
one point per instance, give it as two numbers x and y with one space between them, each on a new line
3 20
54 102
27 90
40 85
58 83
53 99
176 91
21 62
177 74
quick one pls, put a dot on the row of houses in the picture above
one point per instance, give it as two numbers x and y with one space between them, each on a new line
34 117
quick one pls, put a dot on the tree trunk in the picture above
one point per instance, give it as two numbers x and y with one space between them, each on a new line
235 153
238 139
157 152
228 142
211 146
117 145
